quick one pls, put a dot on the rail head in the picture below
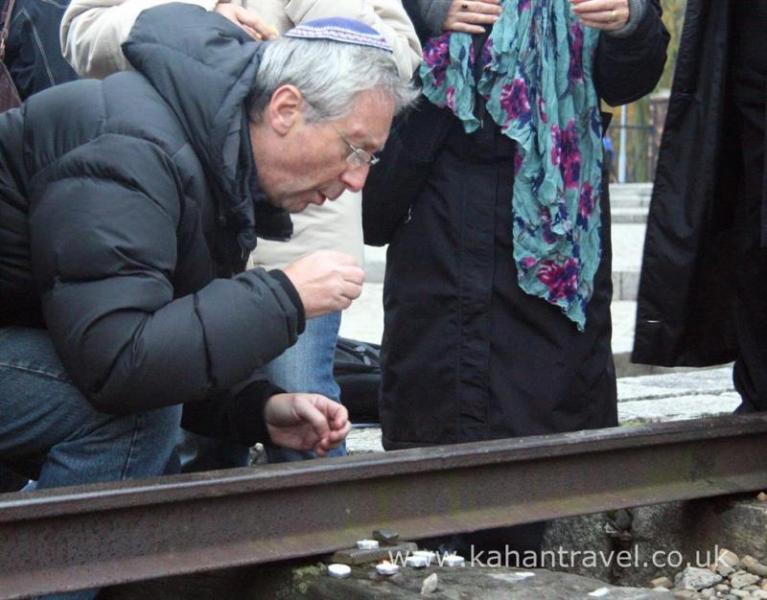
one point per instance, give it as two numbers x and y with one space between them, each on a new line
188 487
115 533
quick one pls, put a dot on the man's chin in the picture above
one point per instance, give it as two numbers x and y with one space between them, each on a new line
294 205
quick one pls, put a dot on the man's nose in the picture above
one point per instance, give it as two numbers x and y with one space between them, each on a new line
354 177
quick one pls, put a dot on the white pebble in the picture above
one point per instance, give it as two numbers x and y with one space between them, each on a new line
367 544
416 562
429 585
453 560
339 570
387 568
427 554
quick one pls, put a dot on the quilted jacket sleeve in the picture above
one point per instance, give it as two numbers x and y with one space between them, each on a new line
104 248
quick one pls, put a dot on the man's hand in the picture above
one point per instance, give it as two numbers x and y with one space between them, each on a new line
248 20
306 422
326 281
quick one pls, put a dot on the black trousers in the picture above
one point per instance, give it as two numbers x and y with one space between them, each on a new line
748 88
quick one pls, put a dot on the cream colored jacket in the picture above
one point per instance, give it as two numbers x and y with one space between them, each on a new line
93 30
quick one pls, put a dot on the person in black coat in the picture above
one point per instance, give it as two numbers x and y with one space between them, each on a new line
467 354
128 208
704 270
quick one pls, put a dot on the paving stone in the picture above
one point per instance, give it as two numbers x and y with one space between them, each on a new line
364 439
625 285
677 408
629 215
708 381
674 396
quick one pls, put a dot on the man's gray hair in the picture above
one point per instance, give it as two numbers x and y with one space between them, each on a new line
328 74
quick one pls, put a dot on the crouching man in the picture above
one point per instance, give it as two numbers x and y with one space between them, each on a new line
128 208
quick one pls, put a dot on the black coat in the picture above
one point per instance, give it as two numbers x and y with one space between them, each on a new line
125 206
466 355
686 289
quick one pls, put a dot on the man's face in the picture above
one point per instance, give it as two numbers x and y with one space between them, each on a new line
309 164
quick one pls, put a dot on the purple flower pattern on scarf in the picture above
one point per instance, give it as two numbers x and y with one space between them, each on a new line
514 100
575 73
586 205
561 279
570 156
436 54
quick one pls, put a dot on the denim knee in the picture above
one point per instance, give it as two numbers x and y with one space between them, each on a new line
45 420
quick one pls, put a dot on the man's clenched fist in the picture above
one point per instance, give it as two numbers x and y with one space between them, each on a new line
326 281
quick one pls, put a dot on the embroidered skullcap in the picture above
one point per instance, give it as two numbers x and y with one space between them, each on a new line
339 29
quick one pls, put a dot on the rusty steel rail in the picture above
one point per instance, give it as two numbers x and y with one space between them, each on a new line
75 538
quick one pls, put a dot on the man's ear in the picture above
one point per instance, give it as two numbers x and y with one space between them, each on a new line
284 109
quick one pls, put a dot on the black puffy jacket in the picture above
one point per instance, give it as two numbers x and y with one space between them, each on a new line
126 205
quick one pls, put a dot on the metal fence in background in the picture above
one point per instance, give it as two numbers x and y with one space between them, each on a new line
634 139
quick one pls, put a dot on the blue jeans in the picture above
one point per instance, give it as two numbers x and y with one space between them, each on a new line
50 432
308 367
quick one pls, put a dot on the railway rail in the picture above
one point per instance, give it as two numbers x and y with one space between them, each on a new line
96 535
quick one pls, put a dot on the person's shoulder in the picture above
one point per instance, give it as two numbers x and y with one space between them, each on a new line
105 119
133 107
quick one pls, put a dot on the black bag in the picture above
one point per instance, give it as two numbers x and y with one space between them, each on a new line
357 369
9 95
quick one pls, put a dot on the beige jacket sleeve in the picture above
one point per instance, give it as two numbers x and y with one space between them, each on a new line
386 16
92 32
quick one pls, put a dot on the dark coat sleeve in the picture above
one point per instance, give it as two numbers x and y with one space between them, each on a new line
427 16
236 417
627 68
103 237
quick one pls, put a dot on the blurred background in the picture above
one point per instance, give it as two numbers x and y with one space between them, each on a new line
634 136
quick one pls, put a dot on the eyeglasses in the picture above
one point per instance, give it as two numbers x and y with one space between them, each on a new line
357 157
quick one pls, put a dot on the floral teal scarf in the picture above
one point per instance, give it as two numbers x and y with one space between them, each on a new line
537 82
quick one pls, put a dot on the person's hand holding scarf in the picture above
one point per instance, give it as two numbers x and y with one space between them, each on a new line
470 16
607 15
